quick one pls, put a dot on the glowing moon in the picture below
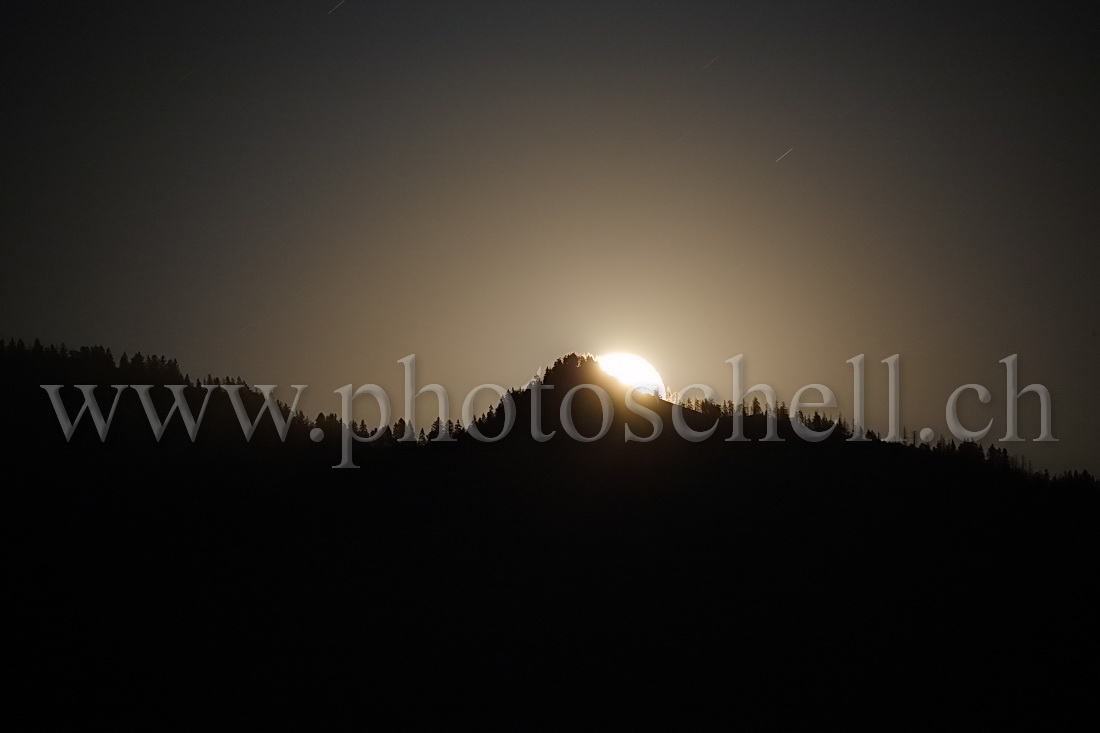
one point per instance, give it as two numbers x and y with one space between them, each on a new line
633 371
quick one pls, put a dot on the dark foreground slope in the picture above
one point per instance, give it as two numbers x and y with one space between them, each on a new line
570 563
793 578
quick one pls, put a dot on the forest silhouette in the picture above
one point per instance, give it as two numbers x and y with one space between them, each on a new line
26 369
150 560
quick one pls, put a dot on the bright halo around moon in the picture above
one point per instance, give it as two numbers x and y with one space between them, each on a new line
633 371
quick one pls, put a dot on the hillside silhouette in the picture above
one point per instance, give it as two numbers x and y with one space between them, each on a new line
25 369
766 564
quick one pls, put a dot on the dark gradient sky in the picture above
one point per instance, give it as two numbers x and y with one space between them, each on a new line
301 196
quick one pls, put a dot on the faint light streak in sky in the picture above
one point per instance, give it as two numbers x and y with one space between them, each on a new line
784 155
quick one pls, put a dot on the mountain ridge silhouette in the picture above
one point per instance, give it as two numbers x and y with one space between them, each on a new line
782 567
26 368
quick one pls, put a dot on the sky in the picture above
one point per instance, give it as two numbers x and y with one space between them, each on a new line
299 193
